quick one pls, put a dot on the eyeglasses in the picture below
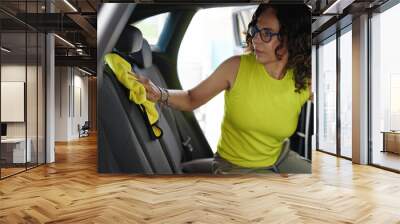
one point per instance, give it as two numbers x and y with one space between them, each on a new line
265 33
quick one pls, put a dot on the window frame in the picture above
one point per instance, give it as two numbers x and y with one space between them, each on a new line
158 45
334 37
371 14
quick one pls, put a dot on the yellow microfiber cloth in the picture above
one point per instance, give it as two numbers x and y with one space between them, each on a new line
137 93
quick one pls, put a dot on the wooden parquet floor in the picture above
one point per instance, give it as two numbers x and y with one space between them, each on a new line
71 191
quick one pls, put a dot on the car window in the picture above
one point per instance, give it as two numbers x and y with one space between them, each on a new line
152 27
242 18
208 41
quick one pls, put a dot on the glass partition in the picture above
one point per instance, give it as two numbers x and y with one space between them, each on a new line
22 89
13 105
327 96
41 109
31 100
385 89
346 93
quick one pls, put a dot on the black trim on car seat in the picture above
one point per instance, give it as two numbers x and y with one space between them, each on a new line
108 72
147 122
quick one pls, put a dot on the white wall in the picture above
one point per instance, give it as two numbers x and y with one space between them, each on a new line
71 94
33 127
13 73
61 103
80 100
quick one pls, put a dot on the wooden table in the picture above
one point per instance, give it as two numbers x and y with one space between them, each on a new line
391 141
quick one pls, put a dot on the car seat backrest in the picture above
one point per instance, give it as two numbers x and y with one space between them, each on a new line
143 64
119 148
300 141
181 128
151 148
124 135
130 41
143 58
170 141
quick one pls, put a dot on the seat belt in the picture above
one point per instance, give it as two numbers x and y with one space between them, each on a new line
284 152
282 156
185 141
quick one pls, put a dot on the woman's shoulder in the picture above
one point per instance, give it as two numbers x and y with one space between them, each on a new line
248 56
230 68
233 63
236 59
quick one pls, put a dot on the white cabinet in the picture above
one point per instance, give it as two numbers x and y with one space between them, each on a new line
18 149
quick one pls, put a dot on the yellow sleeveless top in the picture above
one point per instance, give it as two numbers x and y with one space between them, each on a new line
260 112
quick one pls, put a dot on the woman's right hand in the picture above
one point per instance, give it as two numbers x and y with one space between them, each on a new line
188 100
152 91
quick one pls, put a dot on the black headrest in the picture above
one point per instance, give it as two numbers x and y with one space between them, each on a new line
130 41
143 58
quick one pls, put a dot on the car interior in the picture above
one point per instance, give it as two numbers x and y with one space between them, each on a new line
123 140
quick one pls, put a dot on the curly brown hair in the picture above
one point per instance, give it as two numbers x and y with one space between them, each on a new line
295 28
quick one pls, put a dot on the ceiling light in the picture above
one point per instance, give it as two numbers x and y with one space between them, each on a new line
329 9
79 51
70 5
65 41
86 72
5 50
338 6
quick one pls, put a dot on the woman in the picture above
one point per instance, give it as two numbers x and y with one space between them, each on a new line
264 92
